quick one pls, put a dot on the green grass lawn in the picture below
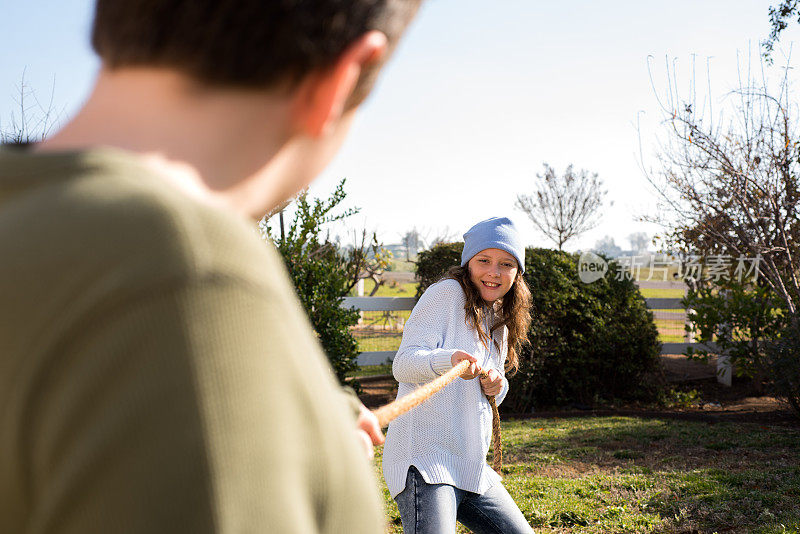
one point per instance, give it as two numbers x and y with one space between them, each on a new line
620 474
372 370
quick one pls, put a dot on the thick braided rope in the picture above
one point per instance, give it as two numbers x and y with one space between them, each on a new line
497 446
391 411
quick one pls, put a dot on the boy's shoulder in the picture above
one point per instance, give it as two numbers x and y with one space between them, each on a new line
102 217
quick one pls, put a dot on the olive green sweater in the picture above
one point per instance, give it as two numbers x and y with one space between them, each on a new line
157 373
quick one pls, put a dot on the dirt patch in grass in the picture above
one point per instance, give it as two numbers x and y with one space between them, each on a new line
574 469
377 391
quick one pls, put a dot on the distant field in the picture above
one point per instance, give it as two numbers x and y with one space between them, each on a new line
383 330
670 323
655 293
401 265
409 289
657 275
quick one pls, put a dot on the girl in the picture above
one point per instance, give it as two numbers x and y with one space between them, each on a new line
434 460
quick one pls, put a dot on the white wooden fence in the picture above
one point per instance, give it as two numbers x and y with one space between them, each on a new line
378 304
724 371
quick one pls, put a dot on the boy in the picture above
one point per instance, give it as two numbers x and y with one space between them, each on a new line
156 371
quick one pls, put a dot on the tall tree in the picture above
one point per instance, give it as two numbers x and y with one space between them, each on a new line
607 246
441 235
731 186
564 206
639 242
413 242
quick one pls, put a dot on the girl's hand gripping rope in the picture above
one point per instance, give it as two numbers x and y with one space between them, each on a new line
388 413
491 383
473 370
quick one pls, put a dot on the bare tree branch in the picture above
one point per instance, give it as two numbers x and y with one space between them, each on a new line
566 206
732 186
34 121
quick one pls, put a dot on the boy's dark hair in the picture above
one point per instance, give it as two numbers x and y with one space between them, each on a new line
245 43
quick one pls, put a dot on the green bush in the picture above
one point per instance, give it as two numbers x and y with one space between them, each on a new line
433 263
738 317
783 360
589 342
322 276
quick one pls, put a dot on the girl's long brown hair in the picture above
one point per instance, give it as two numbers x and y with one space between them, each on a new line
513 312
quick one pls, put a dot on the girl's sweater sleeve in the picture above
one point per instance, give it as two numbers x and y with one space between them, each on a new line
422 355
502 395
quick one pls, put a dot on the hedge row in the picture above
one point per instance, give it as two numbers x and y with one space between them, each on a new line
589 342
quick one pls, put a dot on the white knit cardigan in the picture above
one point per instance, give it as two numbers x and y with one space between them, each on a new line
447 436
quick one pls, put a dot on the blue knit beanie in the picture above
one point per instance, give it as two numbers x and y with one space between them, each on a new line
497 232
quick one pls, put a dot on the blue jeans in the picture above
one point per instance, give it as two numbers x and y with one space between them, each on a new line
434 508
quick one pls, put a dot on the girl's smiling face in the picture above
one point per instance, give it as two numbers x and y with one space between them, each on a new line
492 271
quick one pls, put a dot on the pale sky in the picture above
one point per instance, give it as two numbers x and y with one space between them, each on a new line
474 101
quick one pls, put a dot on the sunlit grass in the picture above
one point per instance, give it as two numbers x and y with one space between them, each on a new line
618 474
372 370
657 293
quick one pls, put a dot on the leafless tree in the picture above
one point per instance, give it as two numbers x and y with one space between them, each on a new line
413 241
441 235
365 257
730 185
564 206
639 242
368 259
423 238
33 120
607 246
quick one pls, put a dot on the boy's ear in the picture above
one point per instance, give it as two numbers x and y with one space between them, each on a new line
321 97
